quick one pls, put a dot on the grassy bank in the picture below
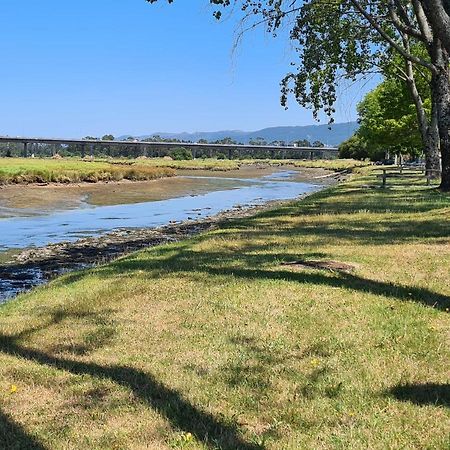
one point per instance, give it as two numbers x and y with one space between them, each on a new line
194 164
328 164
214 343
225 164
30 170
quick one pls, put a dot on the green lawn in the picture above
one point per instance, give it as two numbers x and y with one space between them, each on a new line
214 343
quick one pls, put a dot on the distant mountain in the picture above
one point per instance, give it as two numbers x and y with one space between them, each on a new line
338 133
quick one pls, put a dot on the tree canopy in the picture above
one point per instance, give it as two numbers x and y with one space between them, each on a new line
388 119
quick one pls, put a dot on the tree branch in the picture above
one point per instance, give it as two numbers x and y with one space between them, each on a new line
390 40
401 26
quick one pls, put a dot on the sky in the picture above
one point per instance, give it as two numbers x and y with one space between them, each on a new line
94 67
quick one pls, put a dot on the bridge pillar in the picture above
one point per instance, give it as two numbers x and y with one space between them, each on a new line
91 150
230 153
194 153
83 150
311 155
25 149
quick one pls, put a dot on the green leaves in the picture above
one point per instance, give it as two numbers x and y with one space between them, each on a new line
388 119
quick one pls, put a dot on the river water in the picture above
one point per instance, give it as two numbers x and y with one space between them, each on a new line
29 227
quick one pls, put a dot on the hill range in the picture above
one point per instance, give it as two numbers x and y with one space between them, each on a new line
330 135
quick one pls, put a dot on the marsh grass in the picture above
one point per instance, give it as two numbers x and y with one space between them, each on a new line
225 164
196 164
29 170
213 343
71 170
328 164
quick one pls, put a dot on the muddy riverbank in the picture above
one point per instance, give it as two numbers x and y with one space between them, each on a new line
31 200
35 266
54 245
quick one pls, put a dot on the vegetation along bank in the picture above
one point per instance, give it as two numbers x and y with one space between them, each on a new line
34 170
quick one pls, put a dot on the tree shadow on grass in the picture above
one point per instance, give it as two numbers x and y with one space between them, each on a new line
347 281
186 260
14 437
351 231
181 414
423 394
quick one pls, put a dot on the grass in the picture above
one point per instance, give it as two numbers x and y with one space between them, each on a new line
225 164
30 170
332 164
196 164
213 343
329 164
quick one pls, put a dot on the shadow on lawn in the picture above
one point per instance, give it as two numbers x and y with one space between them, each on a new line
184 259
423 394
350 230
14 437
182 415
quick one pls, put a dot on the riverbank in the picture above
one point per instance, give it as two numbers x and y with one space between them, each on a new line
41 171
225 164
137 215
322 323
69 171
28 268
23 200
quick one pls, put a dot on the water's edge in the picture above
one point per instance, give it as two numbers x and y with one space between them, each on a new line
37 266
53 247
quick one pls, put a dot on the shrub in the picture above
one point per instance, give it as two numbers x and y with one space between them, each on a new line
180 153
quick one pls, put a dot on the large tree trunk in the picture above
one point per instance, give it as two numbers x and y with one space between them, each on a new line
428 127
438 15
441 94
443 84
431 150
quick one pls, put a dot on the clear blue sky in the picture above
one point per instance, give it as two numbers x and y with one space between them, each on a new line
90 67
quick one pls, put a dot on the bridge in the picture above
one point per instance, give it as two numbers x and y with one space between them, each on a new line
158 148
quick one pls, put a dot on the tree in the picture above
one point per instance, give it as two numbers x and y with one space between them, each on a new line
417 83
302 143
108 137
388 120
438 15
260 141
225 141
351 38
354 148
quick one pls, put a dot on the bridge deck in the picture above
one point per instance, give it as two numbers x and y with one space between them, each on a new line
190 145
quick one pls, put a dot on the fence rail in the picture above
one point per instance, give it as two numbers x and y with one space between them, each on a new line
407 171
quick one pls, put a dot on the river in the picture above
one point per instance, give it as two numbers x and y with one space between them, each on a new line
96 210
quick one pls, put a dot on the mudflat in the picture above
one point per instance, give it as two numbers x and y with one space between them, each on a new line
34 199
